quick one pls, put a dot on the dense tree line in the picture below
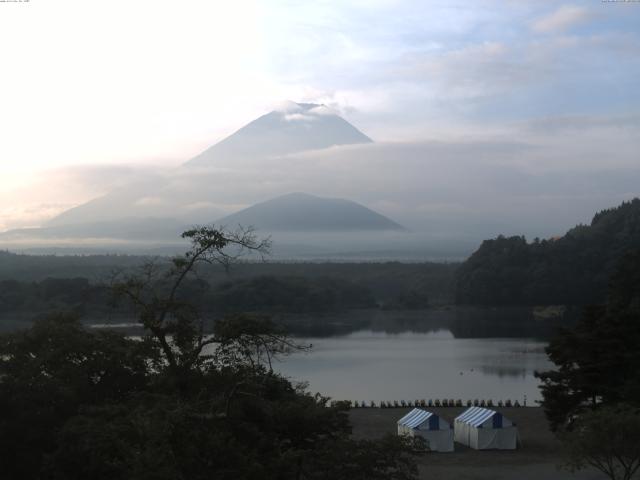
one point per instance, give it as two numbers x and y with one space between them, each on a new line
573 269
387 281
290 294
30 268
263 294
598 359
260 294
592 397
52 294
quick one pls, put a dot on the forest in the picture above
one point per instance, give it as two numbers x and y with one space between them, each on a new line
571 270
31 286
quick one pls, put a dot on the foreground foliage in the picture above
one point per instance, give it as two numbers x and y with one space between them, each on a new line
52 371
592 399
177 404
608 440
598 361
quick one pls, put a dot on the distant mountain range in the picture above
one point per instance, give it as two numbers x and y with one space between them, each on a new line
192 197
159 207
295 212
156 206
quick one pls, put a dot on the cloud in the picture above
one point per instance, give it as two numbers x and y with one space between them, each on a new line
564 18
219 207
287 107
473 70
50 192
31 214
149 201
584 125
311 114
298 117
322 110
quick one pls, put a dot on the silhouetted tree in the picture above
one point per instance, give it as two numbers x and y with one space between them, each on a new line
598 361
608 440
49 373
156 295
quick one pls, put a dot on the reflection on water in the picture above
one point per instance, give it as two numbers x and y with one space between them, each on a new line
459 353
462 322
504 371
412 357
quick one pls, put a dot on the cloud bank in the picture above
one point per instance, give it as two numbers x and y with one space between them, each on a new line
562 19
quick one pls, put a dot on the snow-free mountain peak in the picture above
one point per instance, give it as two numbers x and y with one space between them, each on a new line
301 212
292 128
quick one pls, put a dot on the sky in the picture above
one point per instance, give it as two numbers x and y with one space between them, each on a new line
93 92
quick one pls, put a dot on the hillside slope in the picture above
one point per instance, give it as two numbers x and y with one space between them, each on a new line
573 269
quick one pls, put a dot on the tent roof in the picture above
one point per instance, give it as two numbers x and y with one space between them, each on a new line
475 416
415 418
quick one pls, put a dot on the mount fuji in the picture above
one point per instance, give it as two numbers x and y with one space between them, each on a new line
294 128
198 191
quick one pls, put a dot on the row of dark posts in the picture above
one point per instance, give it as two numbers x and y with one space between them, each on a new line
434 403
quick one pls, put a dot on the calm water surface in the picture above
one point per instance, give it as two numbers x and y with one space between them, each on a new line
372 365
459 353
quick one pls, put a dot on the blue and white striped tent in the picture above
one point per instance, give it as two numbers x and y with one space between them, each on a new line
484 429
436 431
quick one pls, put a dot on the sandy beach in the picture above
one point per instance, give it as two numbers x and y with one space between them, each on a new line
538 458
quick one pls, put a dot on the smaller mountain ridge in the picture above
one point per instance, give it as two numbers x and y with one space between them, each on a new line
301 212
294 128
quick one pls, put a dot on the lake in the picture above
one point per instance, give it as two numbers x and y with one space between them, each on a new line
424 355
464 353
